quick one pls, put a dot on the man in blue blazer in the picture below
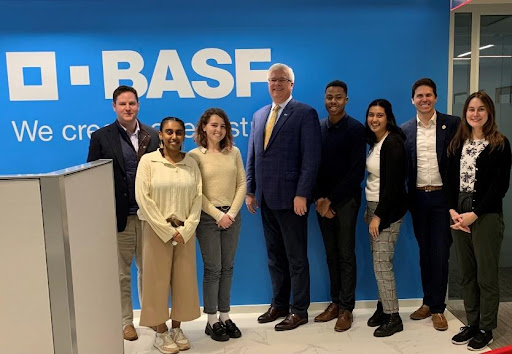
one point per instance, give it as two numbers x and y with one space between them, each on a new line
125 141
428 136
282 163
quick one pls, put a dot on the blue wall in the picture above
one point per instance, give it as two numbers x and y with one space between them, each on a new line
213 55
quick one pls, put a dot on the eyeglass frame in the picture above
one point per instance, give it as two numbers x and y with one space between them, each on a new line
281 80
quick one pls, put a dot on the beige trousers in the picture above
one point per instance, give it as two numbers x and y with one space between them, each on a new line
166 265
129 244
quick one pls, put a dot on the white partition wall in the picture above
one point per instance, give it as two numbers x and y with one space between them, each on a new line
24 291
69 274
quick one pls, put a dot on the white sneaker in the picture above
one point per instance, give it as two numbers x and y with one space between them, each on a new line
165 344
179 338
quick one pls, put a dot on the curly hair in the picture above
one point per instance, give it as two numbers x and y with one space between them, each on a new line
200 135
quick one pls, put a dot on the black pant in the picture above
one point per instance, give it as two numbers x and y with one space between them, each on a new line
339 235
287 250
479 258
431 223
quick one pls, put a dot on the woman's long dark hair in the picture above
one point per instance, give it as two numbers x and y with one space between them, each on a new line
391 126
490 129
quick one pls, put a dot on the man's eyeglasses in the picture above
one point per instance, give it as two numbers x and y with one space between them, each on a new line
281 80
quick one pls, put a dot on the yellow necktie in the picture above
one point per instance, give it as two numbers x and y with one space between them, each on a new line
270 125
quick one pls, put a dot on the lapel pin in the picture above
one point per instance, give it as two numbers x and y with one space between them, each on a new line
443 127
285 114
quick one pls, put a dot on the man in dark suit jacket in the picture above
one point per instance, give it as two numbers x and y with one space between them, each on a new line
428 136
125 141
282 163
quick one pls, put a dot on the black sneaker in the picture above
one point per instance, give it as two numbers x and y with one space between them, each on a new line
465 335
480 340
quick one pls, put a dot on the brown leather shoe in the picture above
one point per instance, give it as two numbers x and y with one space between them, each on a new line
291 321
272 314
344 321
421 313
440 322
129 333
330 313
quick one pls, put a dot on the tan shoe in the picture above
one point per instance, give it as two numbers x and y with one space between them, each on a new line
179 338
129 333
421 313
439 321
330 313
344 321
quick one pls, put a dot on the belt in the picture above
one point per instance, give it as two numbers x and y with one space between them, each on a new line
224 209
429 188
174 221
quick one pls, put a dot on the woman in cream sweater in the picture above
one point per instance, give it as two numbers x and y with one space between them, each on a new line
168 192
224 189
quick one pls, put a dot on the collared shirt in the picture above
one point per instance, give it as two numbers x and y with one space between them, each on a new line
134 138
282 105
164 189
427 166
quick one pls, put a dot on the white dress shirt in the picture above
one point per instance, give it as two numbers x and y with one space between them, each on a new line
427 166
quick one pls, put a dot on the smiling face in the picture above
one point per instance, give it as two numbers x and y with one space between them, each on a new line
172 134
335 101
215 130
424 100
476 114
279 86
377 121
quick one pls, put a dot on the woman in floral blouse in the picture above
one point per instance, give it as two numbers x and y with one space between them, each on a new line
479 161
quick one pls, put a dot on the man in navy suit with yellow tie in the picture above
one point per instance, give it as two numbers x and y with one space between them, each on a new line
282 163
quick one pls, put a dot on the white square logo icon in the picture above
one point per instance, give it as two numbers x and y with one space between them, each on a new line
20 91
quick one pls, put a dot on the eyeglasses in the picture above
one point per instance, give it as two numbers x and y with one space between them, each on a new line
281 80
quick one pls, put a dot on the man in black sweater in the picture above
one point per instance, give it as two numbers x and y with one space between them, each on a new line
337 200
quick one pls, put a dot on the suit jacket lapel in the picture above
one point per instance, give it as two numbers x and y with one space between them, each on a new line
116 145
440 137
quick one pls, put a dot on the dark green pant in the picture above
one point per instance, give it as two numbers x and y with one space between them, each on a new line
479 254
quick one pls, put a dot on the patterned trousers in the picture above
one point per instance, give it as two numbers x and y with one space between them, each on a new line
383 249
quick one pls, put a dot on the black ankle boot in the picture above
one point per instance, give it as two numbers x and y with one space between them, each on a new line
392 325
378 317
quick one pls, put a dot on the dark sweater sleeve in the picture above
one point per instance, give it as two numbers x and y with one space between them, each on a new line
393 160
452 180
499 182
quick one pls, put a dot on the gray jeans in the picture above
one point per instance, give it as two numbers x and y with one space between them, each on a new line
383 250
218 248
